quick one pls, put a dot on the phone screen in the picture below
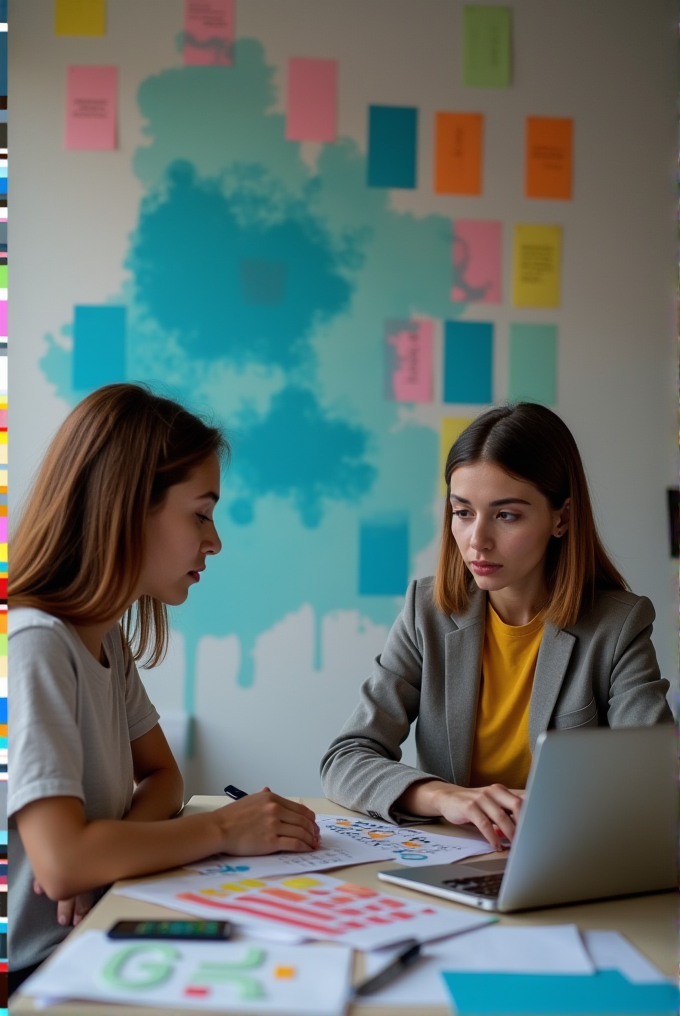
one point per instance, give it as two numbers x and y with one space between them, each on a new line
197 930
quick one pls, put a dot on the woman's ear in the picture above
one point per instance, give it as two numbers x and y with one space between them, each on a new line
561 519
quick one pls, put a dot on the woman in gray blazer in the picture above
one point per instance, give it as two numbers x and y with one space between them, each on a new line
519 549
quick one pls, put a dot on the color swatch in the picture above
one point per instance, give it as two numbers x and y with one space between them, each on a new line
392 146
537 269
80 17
458 153
312 100
408 360
549 157
208 32
91 108
468 362
532 370
383 556
98 346
476 261
451 429
486 47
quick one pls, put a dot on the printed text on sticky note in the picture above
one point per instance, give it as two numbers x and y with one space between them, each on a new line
91 107
458 153
408 360
208 32
549 157
537 266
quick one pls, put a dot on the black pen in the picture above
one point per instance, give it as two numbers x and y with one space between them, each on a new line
398 965
234 792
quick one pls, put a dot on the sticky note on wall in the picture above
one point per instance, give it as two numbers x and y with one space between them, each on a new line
451 429
532 368
549 157
392 146
408 360
476 261
312 100
468 361
383 556
208 32
458 153
91 107
486 47
537 266
80 17
98 346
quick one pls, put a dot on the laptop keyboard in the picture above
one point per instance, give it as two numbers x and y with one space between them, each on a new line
487 885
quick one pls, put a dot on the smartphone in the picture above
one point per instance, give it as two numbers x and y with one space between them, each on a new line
197 931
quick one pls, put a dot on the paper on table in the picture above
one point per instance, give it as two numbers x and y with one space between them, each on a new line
536 268
609 950
208 32
312 906
552 950
312 100
91 107
230 976
549 158
346 840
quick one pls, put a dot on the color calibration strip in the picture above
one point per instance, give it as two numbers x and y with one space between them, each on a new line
3 507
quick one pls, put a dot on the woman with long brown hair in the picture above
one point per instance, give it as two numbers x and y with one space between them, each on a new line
119 523
527 625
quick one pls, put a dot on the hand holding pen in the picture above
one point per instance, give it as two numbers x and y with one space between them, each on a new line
265 823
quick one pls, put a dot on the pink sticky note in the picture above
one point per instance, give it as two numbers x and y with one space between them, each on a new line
3 319
312 100
408 359
477 261
91 107
3 529
208 32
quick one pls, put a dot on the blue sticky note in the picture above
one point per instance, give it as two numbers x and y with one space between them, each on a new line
383 556
3 184
468 362
3 710
606 991
392 146
98 346
262 282
532 370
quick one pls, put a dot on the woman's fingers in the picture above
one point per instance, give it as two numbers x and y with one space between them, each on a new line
65 910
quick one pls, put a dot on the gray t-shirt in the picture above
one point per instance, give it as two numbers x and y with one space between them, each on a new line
72 720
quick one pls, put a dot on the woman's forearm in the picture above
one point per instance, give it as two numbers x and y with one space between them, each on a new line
421 798
160 795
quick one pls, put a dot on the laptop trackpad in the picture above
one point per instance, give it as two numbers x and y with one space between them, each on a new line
494 866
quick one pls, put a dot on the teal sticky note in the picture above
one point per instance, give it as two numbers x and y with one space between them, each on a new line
486 47
98 345
383 556
606 991
532 370
468 362
392 146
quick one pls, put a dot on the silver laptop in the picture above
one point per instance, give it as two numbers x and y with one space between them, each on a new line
600 819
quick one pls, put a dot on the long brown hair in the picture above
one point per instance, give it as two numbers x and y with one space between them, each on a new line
532 443
78 549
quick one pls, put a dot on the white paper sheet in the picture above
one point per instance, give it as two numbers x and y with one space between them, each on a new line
609 950
555 949
314 906
347 840
239 977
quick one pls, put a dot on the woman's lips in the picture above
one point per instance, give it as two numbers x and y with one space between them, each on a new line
195 576
484 567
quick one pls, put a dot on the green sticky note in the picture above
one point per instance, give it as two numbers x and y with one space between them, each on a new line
532 375
3 276
486 47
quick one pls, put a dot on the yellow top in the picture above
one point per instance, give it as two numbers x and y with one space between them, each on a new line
501 752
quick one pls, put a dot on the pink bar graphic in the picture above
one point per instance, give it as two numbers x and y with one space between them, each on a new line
208 32
91 107
477 261
312 100
408 360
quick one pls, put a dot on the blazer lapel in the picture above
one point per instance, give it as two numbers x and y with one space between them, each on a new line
463 673
551 666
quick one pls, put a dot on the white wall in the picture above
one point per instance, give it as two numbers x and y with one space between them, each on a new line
608 64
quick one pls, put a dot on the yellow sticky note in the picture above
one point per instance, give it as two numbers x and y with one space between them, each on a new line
452 428
80 17
304 882
537 266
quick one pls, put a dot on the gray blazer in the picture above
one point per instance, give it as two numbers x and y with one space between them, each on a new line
600 672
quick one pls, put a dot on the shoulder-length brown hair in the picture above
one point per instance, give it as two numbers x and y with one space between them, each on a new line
78 549
532 443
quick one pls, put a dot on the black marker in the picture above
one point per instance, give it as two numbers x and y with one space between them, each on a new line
234 792
398 965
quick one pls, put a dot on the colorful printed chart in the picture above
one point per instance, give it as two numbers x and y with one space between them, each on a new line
346 841
230 976
306 907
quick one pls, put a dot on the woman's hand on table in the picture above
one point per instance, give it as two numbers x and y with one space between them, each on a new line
264 823
494 810
70 911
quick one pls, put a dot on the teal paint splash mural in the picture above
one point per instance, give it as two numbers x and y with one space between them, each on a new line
258 290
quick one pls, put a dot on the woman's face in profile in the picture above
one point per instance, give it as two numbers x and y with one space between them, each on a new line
502 526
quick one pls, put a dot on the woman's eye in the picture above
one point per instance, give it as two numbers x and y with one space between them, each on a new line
507 516
461 513
202 518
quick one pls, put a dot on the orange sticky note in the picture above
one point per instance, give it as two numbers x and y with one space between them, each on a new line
458 153
549 157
